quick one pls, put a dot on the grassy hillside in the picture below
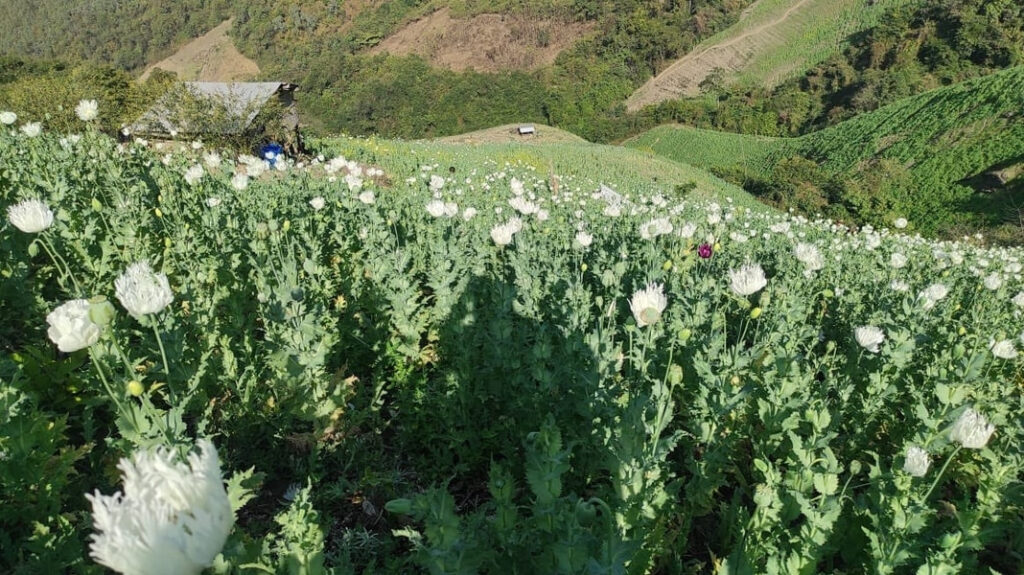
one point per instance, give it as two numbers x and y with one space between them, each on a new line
350 83
914 47
947 133
711 149
578 164
508 133
948 143
773 41
810 34
415 69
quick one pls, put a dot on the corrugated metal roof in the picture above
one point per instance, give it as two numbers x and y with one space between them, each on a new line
238 98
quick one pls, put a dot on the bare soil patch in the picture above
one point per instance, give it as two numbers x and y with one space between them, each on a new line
211 57
486 42
684 76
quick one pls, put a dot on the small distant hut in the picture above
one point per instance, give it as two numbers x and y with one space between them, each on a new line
239 112
526 130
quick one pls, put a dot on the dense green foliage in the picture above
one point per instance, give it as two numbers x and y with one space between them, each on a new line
713 150
393 388
48 92
391 391
916 46
125 35
936 158
407 97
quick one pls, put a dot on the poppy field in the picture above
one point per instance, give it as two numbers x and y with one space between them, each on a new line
424 358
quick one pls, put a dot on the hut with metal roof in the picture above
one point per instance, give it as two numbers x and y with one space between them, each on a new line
232 111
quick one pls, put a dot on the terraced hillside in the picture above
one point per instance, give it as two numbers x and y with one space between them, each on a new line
958 146
713 150
773 41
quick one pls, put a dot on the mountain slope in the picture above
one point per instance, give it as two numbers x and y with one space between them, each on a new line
773 41
950 143
564 62
484 42
211 57
126 35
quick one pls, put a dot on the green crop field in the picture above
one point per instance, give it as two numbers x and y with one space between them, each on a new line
815 31
947 139
774 41
943 136
711 150
419 357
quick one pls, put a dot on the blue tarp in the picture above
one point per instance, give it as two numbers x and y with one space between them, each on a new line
270 152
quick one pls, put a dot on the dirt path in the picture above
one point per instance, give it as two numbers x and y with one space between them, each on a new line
685 75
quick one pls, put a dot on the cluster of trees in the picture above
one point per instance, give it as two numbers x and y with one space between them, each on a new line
407 98
124 35
48 91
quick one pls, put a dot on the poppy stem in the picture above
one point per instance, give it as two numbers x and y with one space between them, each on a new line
163 356
941 473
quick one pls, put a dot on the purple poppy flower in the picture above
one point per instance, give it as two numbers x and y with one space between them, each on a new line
704 251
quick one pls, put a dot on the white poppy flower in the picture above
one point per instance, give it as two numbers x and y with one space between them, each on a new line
747 280
142 291
648 304
172 518
971 430
30 216
70 326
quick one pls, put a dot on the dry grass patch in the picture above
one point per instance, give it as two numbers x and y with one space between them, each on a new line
486 42
211 57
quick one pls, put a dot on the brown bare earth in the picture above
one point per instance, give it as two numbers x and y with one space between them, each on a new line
211 57
508 134
486 42
684 76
